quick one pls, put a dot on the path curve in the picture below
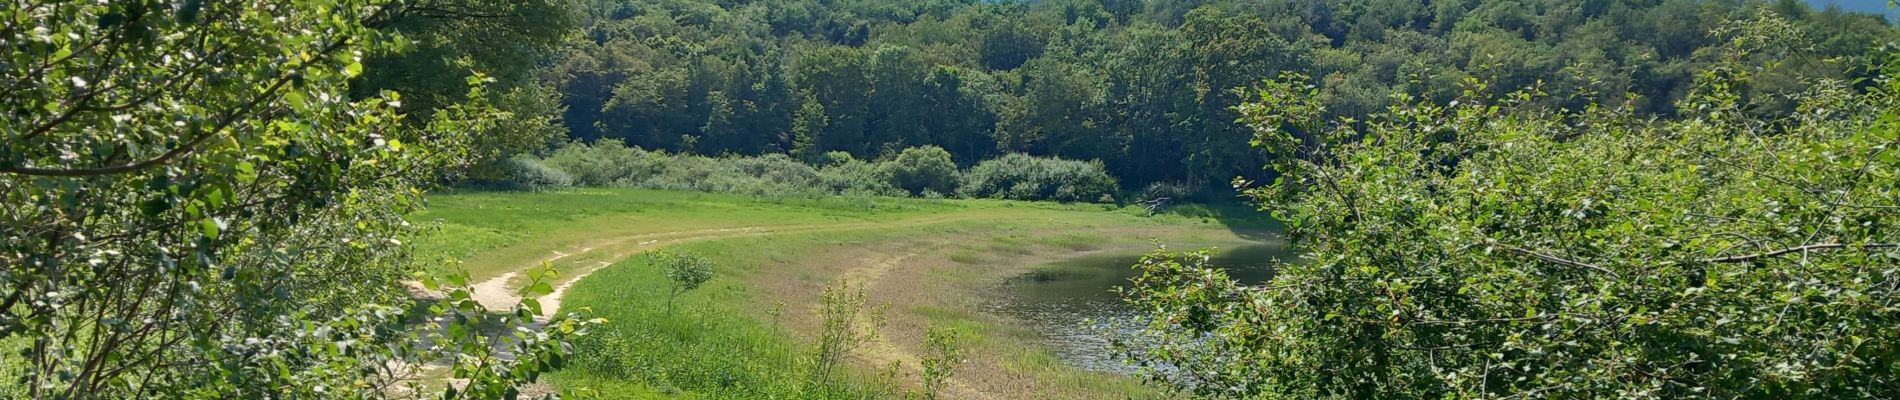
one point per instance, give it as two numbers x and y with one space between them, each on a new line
499 292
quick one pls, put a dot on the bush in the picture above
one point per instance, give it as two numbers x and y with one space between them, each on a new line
1023 177
606 163
1712 256
852 176
526 172
923 169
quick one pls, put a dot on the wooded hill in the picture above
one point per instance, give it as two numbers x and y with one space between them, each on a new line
1145 86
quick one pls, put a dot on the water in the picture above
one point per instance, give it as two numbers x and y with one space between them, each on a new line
1073 302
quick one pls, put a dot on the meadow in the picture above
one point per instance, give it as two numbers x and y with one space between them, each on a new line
751 330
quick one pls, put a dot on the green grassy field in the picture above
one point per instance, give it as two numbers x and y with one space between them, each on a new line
747 332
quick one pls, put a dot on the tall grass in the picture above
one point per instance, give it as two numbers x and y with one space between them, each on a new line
697 350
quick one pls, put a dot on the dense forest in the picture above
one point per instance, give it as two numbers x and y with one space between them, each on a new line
1147 87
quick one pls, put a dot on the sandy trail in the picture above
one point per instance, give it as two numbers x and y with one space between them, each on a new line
881 351
499 292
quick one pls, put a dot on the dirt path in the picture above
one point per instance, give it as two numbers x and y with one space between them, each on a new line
499 292
881 351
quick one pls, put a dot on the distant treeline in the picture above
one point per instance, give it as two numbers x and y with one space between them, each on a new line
1145 86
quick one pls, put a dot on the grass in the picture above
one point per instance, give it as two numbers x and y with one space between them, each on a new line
745 333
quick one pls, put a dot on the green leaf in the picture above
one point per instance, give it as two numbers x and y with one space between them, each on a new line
537 289
210 227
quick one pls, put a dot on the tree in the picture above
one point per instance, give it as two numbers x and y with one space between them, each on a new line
1227 52
1495 248
1009 45
719 134
837 81
924 169
649 109
896 111
686 270
959 121
809 124
195 208
451 40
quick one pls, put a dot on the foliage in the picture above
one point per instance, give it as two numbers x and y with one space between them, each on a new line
195 208
1146 86
605 164
924 169
942 355
526 172
920 171
847 321
1479 248
528 124
452 40
686 270
1018 176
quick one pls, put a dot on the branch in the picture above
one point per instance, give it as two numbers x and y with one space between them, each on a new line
1551 258
188 147
1798 249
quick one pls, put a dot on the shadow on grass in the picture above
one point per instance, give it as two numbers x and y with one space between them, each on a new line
1245 220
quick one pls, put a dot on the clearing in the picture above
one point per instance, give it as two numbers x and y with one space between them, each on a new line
942 263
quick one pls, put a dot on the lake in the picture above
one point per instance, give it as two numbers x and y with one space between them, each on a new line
1074 302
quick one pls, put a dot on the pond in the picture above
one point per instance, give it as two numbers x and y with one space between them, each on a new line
1074 302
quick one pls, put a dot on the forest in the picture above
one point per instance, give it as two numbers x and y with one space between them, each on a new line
1145 87
949 199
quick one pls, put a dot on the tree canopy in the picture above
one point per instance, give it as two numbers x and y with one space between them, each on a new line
1146 87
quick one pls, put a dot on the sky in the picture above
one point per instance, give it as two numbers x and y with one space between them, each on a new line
1873 6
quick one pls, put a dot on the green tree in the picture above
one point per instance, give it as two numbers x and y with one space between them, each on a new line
924 169
1497 248
686 270
195 208
836 80
959 120
650 109
807 126
896 112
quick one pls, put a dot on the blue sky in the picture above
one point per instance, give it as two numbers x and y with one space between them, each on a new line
1874 6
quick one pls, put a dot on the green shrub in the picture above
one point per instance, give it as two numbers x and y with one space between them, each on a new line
606 163
526 172
926 171
1478 250
685 269
852 176
1023 177
923 169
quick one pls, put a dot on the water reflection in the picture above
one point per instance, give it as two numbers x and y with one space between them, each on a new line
1073 302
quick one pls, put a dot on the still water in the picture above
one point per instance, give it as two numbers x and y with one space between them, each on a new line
1074 302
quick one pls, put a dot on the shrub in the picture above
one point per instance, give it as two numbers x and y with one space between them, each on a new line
685 270
852 176
1023 177
1478 249
526 172
606 163
923 169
